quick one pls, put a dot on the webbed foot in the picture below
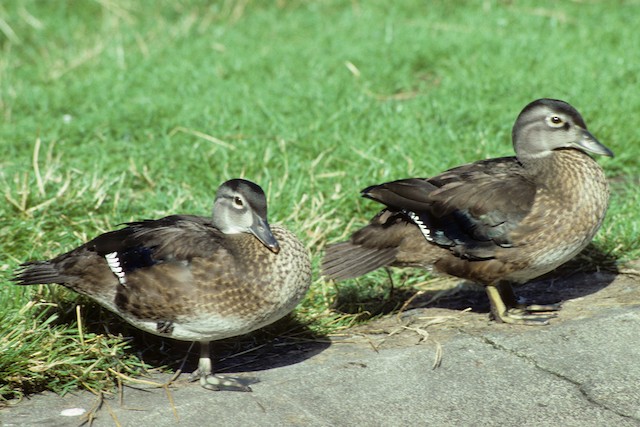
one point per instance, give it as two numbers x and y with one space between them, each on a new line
218 382
505 309
208 380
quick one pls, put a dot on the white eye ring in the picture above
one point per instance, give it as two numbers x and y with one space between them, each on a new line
555 121
237 202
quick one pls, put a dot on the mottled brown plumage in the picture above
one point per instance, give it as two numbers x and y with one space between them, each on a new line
191 278
495 222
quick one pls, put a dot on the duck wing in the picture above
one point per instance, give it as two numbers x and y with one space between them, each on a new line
471 209
174 239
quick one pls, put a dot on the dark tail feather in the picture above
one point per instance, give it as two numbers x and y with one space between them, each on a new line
37 273
347 261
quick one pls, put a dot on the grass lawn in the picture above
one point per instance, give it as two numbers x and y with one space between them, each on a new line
112 111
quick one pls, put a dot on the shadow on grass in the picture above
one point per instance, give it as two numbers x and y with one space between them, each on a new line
587 273
285 342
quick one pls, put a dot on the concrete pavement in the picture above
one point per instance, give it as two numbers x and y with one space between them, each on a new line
428 366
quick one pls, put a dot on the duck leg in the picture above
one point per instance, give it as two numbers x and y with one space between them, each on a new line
208 380
505 307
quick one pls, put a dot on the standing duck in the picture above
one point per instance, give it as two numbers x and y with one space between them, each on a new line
191 278
495 222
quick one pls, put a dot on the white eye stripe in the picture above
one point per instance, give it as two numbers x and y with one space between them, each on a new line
113 261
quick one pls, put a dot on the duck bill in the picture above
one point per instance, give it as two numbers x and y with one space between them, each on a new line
589 143
262 231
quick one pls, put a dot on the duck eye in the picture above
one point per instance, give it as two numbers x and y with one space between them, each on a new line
555 121
237 202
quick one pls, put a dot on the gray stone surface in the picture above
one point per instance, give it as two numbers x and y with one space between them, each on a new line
582 370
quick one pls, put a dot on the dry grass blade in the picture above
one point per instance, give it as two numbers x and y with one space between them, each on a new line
437 361
8 32
90 416
165 386
23 191
79 320
113 415
59 70
202 135
36 167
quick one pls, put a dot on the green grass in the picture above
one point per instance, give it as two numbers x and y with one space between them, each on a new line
113 111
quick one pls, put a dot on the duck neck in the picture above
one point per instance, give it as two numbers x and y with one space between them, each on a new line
566 172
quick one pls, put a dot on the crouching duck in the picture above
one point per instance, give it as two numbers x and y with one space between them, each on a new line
495 222
191 278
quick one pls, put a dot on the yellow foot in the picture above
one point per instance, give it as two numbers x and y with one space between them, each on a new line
516 314
523 316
